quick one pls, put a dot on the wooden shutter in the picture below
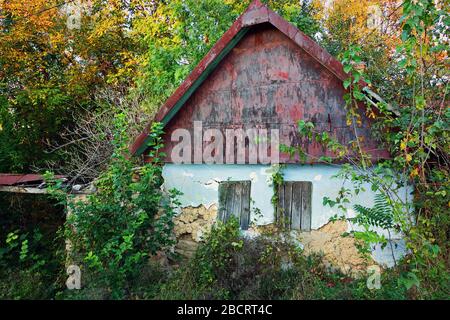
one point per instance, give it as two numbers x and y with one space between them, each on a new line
294 204
234 199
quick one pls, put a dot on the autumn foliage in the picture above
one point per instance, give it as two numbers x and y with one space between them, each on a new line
57 56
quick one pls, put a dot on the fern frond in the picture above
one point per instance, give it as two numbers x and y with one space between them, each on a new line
380 215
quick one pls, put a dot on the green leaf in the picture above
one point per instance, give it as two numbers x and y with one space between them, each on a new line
408 280
347 82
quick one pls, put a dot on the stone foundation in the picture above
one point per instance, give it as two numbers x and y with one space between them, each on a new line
193 223
191 226
338 252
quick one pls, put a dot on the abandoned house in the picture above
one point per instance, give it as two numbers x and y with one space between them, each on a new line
263 73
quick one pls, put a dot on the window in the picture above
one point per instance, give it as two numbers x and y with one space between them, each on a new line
234 199
294 205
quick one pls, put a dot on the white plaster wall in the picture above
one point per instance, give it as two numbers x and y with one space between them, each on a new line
199 184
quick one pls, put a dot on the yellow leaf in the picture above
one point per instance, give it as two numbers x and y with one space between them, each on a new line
408 157
403 145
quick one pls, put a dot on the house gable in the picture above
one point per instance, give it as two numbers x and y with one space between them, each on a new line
264 73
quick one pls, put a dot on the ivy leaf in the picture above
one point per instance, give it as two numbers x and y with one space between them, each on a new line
358 95
347 83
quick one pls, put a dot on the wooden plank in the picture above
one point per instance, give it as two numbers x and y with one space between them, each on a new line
287 204
22 190
245 205
32 190
306 206
284 204
223 194
296 205
229 205
280 204
234 199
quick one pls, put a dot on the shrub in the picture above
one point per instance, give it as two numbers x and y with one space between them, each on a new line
115 231
270 266
30 246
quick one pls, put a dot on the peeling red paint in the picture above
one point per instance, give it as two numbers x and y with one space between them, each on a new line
273 77
283 75
255 96
296 112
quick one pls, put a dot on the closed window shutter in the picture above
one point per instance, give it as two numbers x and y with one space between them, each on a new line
294 205
234 199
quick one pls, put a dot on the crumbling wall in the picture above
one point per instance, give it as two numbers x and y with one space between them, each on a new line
338 251
191 225
199 185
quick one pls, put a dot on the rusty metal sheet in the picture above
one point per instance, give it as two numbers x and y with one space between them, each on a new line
268 81
255 16
8 179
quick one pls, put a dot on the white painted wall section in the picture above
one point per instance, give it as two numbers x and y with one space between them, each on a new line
199 185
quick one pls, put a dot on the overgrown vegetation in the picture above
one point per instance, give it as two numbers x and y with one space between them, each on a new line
271 266
30 246
50 80
115 231
414 127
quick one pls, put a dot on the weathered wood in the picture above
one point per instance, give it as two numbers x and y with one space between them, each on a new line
307 209
306 206
287 204
269 82
223 194
294 204
234 199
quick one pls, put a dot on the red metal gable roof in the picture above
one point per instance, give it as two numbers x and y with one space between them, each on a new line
257 13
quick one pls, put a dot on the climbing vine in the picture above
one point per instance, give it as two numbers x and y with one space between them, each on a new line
413 127
277 179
